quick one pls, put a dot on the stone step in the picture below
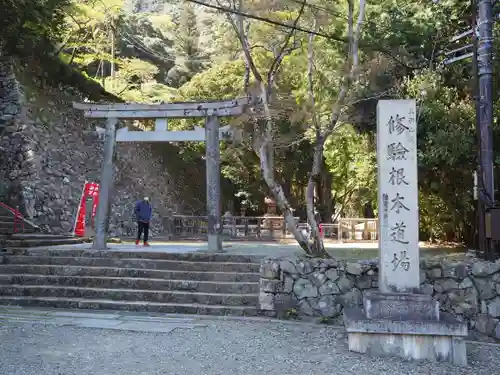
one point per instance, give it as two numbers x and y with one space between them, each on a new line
13 243
40 236
10 230
64 270
156 264
133 283
141 254
7 217
177 297
10 225
166 308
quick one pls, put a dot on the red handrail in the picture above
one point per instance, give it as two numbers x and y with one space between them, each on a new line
17 215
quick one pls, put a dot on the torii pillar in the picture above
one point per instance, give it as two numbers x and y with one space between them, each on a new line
212 134
212 158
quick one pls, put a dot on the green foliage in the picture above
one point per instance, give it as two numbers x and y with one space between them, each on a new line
447 154
174 51
351 159
99 38
410 30
190 59
223 81
136 71
24 23
292 314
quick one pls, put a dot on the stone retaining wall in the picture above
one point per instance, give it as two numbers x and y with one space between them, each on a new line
48 150
470 289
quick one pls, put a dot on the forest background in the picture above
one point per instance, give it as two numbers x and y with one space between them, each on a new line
156 51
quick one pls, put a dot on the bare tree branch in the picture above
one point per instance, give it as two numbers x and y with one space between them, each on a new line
352 73
376 96
224 9
310 83
246 79
71 33
369 46
345 199
350 32
318 148
262 141
281 54
431 62
242 36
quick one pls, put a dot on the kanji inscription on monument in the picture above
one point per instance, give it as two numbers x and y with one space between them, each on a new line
398 195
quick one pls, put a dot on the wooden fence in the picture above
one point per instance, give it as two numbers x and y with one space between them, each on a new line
250 228
352 229
233 227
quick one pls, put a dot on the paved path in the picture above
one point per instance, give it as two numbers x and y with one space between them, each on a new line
117 320
337 250
56 342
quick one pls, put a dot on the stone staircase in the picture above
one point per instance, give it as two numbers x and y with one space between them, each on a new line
29 240
23 233
198 283
7 226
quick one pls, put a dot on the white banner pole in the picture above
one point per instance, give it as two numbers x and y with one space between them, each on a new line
79 206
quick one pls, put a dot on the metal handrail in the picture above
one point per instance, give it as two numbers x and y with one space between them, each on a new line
18 216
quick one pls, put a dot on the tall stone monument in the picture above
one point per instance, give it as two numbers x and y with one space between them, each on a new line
398 196
399 320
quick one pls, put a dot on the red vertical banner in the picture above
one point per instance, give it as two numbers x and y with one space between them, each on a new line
90 189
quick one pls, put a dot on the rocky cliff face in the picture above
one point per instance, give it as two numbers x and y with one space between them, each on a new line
48 150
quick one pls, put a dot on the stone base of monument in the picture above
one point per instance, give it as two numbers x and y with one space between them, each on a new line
405 325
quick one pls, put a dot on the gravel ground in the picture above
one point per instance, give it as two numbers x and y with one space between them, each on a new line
223 347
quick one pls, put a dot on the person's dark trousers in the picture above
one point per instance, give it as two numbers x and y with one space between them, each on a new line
142 227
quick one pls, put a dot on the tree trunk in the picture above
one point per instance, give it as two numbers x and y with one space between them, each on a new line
281 200
326 194
317 248
287 189
287 177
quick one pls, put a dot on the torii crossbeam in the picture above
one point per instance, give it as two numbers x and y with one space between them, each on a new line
212 134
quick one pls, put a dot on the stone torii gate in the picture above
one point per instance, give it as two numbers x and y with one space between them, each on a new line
212 134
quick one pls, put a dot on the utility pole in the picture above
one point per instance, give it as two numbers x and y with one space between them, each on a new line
481 230
482 56
485 83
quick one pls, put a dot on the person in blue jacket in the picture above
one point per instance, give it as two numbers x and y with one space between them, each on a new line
143 213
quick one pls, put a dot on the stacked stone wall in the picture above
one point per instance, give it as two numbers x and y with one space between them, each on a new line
48 150
309 287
